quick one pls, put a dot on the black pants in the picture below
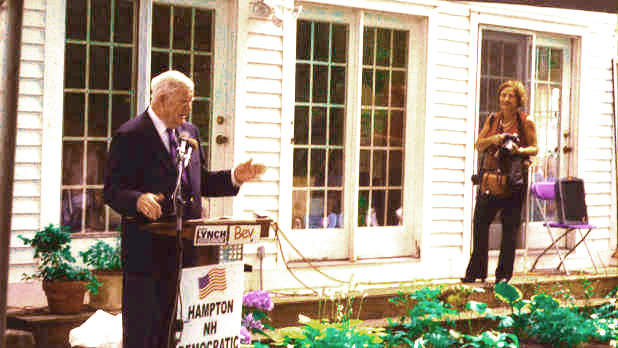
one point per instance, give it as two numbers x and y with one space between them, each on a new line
147 304
484 212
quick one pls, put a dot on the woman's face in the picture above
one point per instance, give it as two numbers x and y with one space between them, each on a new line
508 100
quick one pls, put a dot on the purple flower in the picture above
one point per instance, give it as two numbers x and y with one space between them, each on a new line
258 299
251 323
245 337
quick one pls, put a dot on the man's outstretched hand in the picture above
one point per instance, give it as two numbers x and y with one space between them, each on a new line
248 171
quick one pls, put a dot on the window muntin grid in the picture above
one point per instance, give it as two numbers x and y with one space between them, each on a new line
319 117
182 39
383 106
98 98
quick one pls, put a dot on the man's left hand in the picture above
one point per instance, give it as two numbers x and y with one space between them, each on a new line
248 171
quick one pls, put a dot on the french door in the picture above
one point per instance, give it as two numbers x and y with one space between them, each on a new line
543 64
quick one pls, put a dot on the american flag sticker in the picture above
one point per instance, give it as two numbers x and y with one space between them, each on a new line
214 280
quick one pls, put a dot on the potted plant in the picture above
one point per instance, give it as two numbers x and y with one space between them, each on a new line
64 282
106 262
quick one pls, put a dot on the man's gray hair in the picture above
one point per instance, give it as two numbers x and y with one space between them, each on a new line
168 81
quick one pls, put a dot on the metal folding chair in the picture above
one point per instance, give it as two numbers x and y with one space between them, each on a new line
545 191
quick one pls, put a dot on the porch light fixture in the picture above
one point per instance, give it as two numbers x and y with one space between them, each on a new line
276 12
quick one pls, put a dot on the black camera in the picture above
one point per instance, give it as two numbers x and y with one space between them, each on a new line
509 143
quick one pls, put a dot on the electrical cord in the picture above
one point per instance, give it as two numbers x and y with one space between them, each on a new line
278 232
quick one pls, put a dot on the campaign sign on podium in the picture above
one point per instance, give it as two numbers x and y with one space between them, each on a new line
211 305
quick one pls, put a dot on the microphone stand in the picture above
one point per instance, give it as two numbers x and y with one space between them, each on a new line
179 205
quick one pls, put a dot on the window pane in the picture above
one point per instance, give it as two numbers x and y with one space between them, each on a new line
75 58
303 40
379 128
396 128
73 119
99 67
395 168
379 168
182 28
400 53
301 125
335 169
555 65
203 26
182 63
394 212
337 85
72 208
97 115
122 68
322 41
336 126
299 209
202 76
95 165
302 82
121 110
318 126
316 210
340 43
318 167
95 210
300 168
76 19
161 26
382 88
100 16
320 83
334 211
398 89
159 62
72 162
201 119
383 50
123 32
368 45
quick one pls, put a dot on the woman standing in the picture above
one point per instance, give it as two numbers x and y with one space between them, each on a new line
491 143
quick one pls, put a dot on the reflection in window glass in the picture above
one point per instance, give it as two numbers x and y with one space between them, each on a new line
172 48
321 62
94 107
383 104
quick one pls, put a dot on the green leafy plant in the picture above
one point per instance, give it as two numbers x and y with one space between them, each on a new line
102 257
422 325
317 333
53 251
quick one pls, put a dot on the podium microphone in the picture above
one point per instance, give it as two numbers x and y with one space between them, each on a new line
185 148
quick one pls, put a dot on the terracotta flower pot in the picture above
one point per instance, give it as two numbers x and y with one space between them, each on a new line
109 297
65 297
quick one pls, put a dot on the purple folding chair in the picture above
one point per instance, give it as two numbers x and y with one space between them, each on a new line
545 191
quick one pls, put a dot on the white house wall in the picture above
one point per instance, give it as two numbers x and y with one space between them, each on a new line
264 112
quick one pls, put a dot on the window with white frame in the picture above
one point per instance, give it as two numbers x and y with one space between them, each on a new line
98 98
350 126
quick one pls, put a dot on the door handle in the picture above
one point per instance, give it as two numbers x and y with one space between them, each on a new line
221 139
567 149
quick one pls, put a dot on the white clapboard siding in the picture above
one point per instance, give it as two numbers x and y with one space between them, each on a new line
28 153
449 134
262 119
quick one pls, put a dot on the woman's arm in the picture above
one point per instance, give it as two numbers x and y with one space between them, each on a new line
530 134
484 141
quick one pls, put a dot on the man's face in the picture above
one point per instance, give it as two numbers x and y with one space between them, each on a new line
177 107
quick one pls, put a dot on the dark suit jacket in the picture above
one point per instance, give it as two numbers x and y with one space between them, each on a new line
139 163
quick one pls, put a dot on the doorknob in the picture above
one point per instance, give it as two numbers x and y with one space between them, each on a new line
567 149
221 139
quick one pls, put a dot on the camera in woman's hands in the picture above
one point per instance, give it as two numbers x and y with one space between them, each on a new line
509 143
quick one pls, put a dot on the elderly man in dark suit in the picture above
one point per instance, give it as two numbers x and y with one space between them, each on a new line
140 178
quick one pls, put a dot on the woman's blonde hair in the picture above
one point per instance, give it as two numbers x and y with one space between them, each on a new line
519 88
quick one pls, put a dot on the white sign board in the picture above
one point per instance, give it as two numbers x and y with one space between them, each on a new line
212 305
245 233
210 235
